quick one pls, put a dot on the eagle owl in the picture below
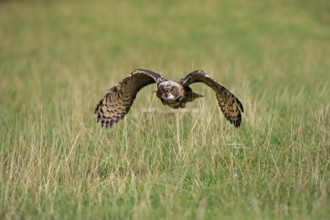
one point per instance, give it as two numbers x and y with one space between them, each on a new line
118 101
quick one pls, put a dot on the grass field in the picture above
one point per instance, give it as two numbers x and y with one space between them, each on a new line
58 58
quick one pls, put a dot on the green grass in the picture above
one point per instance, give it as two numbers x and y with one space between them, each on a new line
57 59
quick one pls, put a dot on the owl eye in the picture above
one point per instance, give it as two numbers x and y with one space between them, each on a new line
163 90
172 90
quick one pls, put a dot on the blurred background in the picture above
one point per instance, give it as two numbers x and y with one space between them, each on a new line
51 49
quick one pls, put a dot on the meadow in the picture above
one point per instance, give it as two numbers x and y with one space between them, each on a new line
58 58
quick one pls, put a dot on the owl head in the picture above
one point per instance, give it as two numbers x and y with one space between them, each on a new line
169 91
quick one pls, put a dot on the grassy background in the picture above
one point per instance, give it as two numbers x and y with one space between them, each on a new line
57 59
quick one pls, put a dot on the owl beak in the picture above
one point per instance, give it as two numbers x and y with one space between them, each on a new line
166 93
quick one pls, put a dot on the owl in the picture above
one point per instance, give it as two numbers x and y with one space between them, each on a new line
118 101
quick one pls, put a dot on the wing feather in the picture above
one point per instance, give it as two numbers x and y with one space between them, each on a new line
118 101
229 104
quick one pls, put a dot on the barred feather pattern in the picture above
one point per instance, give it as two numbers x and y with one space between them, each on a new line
231 107
118 101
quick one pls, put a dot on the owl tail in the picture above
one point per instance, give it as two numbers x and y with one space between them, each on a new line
196 95
190 95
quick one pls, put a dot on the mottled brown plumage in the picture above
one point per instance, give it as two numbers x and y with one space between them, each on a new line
117 102
231 107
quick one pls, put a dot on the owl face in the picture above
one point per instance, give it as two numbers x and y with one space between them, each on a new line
169 90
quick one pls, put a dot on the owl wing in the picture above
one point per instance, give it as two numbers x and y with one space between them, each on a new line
117 102
231 107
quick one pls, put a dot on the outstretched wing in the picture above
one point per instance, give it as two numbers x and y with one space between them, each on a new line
229 104
117 102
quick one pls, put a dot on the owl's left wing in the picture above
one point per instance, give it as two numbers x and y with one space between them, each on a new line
118 101
231 107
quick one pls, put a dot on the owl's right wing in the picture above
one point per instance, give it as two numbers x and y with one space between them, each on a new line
118 101
231 107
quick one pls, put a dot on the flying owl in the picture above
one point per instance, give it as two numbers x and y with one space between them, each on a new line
118 101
